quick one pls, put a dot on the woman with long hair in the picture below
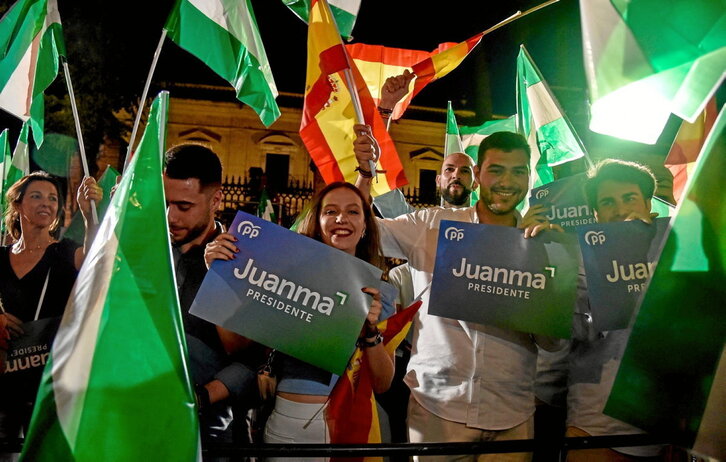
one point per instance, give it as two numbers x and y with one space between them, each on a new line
37 272
339 217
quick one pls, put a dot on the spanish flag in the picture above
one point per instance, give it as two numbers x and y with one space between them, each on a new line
351 413
329 113
377 63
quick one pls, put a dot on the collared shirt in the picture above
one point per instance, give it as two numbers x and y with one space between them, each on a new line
465 372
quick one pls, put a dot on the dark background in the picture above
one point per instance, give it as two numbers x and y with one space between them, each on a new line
110 46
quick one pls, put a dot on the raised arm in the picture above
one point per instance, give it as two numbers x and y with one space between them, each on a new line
88 191
378 359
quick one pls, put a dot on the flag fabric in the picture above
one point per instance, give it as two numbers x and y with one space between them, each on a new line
265 209
116 386
452 140
353 393
662 208
20 165
471 137
31 44
688 143
539 119
377 63
328 112
677 342
344 12
76 230
443 60
646 59
5 160
225 36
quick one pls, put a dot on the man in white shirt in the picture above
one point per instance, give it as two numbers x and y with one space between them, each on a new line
469 382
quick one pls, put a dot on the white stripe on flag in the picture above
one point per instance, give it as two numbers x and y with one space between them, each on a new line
474 139
349 6
75 342
235 17
17 94
541 106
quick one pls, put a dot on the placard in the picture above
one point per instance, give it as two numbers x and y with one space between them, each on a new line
289 292
492 275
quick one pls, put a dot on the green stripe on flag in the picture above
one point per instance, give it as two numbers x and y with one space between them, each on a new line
668 369
32 41
452 141
117 386
646 59
345 13
230 44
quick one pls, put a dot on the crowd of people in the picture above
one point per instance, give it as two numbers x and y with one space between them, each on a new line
468 382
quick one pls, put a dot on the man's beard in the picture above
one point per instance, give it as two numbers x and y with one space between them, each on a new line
193 233
456 199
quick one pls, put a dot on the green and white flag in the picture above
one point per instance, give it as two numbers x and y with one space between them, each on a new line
672 378
225 36
31 44
646 59
20 165
471 138
452 142
5 160
265 209
116 386
345 13
539 118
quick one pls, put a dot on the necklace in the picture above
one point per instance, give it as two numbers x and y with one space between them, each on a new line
42 245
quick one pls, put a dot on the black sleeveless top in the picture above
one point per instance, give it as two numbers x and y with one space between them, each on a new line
20 296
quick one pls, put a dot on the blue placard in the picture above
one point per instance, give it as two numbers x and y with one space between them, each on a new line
564 202
618 259
289 292
492 275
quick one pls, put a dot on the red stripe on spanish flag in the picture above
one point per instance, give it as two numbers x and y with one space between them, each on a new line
329 114
351 413
377 63
682 157
442 61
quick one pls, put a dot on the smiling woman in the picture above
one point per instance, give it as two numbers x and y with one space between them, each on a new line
38 272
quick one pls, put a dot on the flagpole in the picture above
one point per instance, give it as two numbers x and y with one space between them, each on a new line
142 102
81 146
518 15
350 83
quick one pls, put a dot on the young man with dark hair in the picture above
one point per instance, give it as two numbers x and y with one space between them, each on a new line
193 189
468 382
617 191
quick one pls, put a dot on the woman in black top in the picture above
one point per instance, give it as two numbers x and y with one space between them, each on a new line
37 273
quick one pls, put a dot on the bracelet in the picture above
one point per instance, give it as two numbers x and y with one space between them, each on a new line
364 173
364 342
382 111
203 401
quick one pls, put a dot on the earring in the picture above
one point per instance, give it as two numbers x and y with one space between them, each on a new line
363 234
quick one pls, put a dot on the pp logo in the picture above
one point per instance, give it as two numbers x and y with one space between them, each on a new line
541 194
454 234
595 237
246 228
